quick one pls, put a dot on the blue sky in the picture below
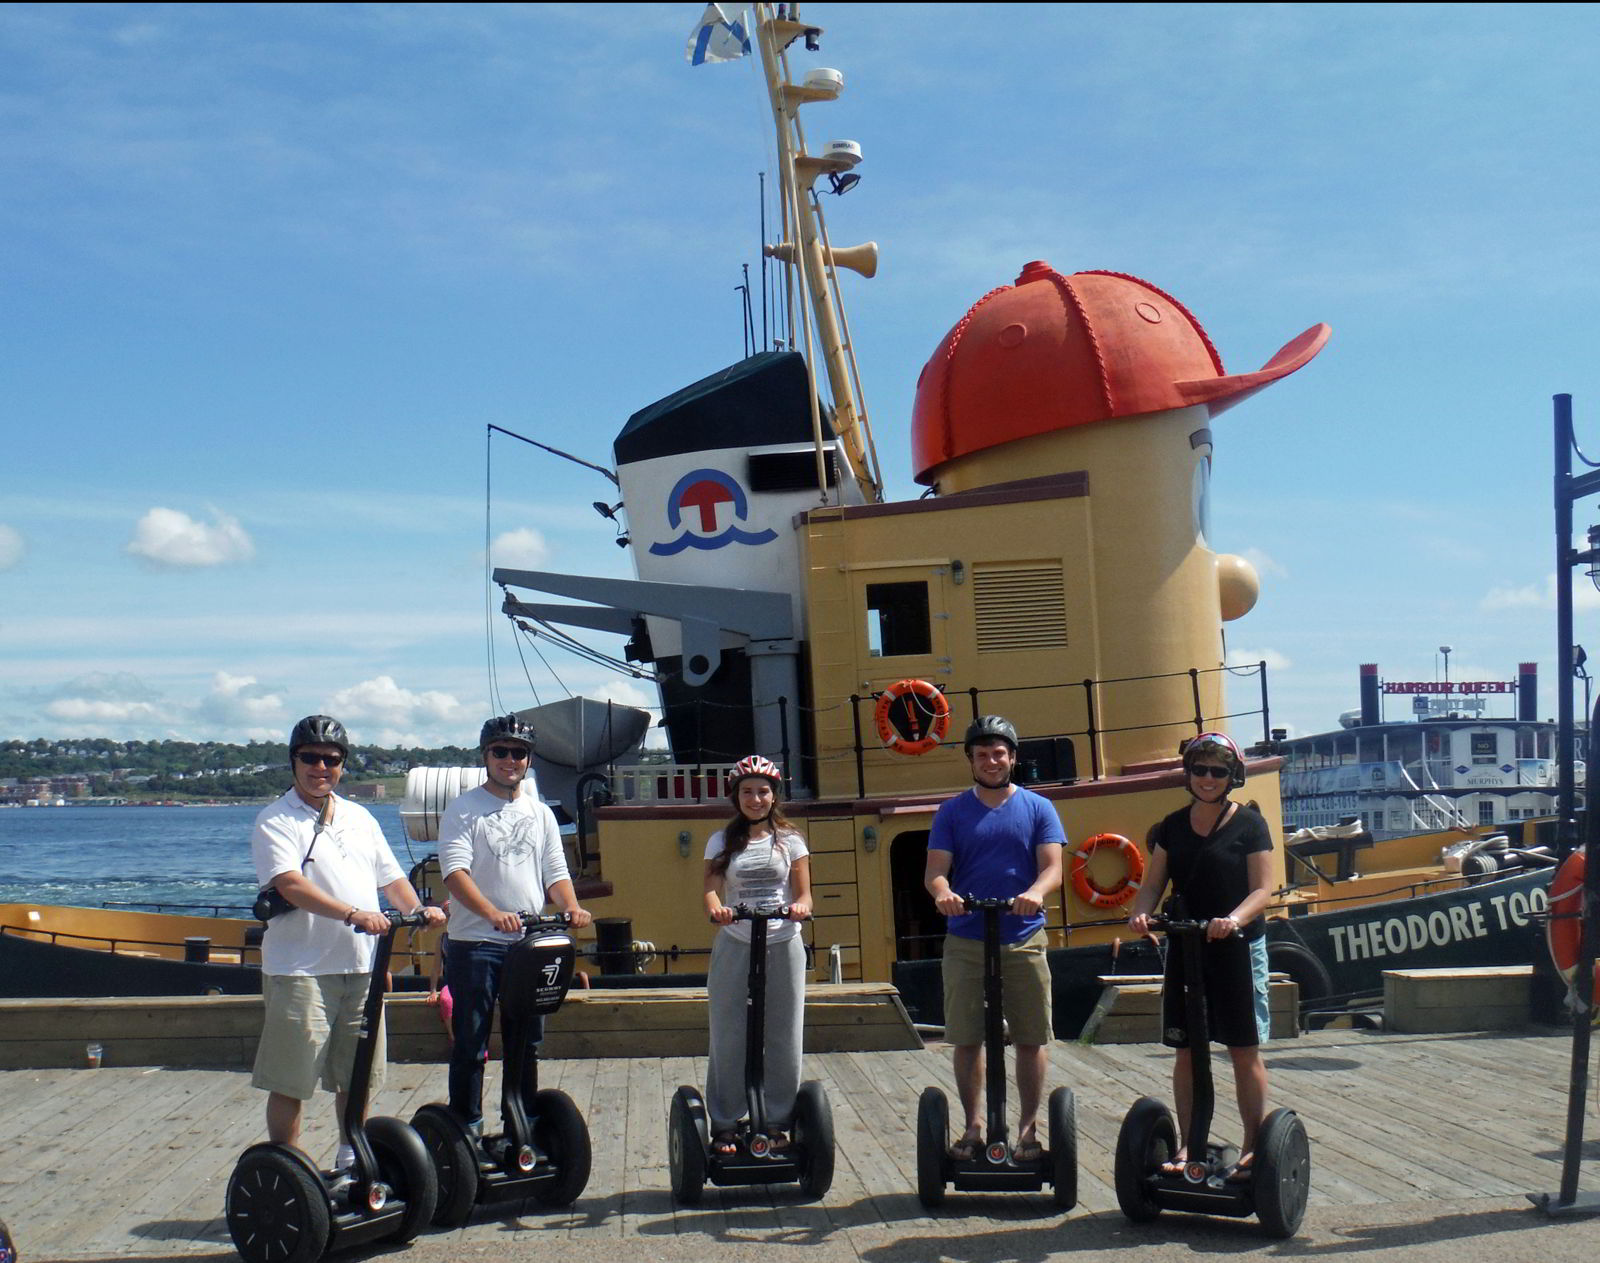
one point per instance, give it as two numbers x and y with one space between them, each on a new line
268 271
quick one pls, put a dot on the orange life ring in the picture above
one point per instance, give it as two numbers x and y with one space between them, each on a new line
912 716
1091 891
1564 929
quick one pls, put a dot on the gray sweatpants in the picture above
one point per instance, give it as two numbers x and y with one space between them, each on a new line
727 988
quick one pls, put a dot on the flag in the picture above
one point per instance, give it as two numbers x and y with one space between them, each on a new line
718 37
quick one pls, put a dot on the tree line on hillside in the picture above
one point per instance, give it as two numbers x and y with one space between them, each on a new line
219 768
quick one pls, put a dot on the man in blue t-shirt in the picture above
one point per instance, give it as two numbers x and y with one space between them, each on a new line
996 841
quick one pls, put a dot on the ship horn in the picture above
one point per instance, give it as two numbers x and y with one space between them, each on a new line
862 259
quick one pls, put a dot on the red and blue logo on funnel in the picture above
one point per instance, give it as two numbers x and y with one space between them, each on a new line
702 501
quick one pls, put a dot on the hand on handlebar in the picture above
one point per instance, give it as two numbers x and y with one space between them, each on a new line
722 915
951 904
506 922
1139 924
800 911
1027 904
580 917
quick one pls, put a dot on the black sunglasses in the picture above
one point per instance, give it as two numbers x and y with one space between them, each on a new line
1210 769
519 753
319 760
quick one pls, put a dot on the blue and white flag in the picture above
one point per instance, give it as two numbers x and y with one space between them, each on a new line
718 37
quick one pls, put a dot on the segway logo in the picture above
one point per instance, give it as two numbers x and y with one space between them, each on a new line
703 501
551 973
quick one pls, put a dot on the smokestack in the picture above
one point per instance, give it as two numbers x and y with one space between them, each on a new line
1528 691
1369 693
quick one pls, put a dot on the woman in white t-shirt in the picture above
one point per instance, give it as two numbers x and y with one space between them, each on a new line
758 859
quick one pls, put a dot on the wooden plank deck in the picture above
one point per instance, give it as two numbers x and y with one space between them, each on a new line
1438 1134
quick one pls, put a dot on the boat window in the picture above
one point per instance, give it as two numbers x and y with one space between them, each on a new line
1486 811
897 620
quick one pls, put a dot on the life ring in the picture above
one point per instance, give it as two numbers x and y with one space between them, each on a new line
1091 891
912 716
1564 929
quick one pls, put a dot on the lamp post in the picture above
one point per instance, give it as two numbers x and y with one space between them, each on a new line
1548 988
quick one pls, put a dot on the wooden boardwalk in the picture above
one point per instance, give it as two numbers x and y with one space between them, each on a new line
134 1162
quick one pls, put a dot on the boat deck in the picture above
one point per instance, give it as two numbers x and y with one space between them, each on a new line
1425 1143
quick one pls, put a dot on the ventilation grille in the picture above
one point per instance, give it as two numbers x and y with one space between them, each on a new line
1020 607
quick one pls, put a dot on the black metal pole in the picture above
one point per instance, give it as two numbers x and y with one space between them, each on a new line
1566 801
861 762
1093 735
1266 714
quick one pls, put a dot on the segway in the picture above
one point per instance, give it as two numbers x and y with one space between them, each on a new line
543 1151
282 1209
1280 1175
808 1158
996 1168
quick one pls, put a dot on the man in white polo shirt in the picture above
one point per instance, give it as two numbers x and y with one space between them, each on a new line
328 858
500 853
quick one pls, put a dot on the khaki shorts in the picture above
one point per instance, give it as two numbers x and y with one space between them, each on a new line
1025 975
310 1032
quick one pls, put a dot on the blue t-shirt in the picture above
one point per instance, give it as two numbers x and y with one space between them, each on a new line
992 854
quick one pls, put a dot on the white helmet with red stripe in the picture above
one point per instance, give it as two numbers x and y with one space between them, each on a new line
754 765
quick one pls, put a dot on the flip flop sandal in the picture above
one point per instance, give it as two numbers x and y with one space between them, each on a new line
1243 1170
965 1149
1174 1165
724 1145
1028 1151
779 1141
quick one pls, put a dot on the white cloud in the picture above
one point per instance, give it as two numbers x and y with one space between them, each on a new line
11 547
1264 564
1249 657
99 711
379 712
1532 596
105 698
523 549
240 702
172 538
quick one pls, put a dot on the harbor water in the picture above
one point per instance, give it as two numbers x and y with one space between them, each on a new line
192 855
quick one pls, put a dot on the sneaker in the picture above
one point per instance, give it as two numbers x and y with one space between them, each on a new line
345 1159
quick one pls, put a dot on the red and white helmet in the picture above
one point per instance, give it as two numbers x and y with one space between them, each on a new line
753 765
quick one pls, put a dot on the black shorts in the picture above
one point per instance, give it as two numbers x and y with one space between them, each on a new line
1230 994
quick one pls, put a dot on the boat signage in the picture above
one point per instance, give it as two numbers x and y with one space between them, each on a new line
1405 932
1463 688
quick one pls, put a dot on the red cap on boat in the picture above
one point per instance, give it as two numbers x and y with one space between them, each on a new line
1054 351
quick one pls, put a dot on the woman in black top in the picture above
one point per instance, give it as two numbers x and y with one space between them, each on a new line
1217 856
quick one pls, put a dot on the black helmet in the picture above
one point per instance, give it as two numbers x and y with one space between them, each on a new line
1219 746
989 728
505 728
319 730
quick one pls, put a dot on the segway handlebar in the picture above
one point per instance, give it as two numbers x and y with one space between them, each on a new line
743 912
975 904
532 921
1176 925
399 919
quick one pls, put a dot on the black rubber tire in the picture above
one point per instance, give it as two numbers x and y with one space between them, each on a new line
1282 1166
559 1130
455 1164
933 1139
406 1166
1063 1118
1308 973
813 1133
277 1210
686 1146
1146 1140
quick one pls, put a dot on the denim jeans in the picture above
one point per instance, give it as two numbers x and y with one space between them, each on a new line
473 972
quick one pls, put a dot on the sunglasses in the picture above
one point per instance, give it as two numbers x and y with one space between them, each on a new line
1211 770
319 760
519 753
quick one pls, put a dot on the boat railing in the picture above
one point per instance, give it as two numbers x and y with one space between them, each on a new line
693 782
239 911
126 946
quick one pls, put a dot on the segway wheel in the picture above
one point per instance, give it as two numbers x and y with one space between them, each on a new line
559 1130
813 1133
1282 1181
933 1138
1147 1139
1063 1116
455 1164
277 1210
405 1165
686 1146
